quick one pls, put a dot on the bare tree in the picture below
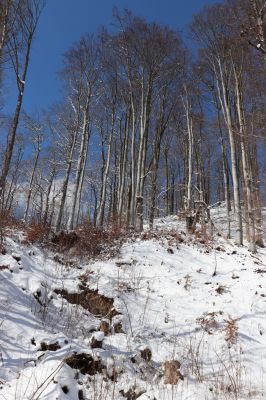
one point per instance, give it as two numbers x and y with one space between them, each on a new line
19 48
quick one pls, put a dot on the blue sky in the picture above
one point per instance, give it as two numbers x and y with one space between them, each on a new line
64 21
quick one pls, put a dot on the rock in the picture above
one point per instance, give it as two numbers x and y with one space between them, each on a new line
172 374
16 257
81 395
96 341
50 347
105 327
118 327
146 354
259 242
65 389
120 263
85 363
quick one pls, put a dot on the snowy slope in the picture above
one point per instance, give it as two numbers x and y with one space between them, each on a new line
168 301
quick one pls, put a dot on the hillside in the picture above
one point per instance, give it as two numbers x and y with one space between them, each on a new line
157 300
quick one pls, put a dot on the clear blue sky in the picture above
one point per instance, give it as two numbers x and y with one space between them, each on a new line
64 21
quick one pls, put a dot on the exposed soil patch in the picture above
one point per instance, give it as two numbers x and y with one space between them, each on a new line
85 363
50 347
221 289
260 271
131 394
97 304
146 354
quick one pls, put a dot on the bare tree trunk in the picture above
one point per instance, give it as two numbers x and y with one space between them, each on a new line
144 128
166 174
47 197
224 100
132 202
160 128
105 174
189 119
246 168
4 9
259 7
81 159
65 181
38 150
28 20
13 131
256 194
225 171
9 198
79 193
122 168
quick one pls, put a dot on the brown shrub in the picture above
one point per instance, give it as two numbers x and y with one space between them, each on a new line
231 330
37 232
208 321
65 240
89 241
8 221
172 374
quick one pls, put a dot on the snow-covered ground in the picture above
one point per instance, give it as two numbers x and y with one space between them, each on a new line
169 301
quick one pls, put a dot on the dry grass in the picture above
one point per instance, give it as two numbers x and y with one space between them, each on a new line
231 330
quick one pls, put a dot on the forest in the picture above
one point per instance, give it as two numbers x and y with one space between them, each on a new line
146 126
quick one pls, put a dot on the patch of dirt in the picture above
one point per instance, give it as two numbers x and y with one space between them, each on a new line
146 354
50 347
260 271
131 394
85 363
97 304
221 289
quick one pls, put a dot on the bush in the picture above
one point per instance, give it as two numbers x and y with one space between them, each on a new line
88 240
37 232
8 221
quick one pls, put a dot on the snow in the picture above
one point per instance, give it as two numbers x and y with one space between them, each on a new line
170 302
